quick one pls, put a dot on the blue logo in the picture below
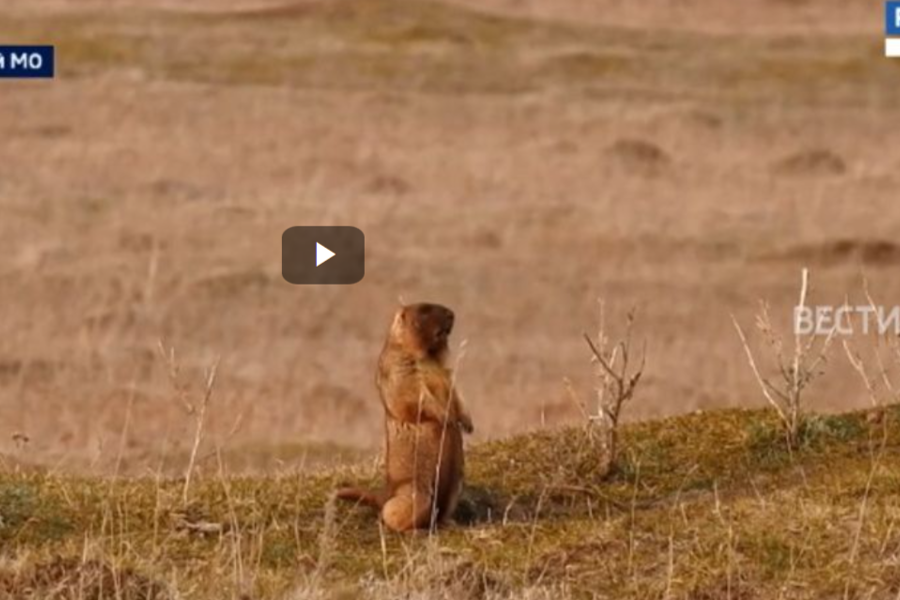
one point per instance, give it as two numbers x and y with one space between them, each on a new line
27 62
892 18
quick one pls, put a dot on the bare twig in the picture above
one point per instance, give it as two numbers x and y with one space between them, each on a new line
617 382
196 412
200 423
174 377
767 388
797 371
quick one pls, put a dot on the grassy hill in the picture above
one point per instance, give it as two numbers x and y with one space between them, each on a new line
702 506
444 49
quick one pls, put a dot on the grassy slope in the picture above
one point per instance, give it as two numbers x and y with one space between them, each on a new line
704 506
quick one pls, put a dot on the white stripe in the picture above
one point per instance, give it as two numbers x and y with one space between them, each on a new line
892 47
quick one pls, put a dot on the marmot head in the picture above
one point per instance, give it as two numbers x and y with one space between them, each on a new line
423 330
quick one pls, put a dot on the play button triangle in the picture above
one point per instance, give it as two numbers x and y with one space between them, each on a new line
322 254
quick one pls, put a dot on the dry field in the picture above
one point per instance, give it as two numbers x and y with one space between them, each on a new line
515 165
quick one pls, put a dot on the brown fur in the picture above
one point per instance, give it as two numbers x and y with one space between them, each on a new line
424 422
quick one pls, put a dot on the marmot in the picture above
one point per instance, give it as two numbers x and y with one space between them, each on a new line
424 422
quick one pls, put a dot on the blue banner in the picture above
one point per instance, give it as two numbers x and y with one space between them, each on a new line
27 62
892 18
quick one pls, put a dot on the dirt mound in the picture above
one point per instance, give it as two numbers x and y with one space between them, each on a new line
228 284
639 155
389 185
815 162
691 119
846 251
31 371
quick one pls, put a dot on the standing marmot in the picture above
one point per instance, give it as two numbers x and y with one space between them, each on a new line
424 422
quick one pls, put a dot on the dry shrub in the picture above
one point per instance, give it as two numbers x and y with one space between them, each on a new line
795 371
617 379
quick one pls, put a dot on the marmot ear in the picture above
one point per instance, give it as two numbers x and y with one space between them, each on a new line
408 318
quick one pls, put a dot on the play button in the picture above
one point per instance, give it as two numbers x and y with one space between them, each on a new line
323 255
